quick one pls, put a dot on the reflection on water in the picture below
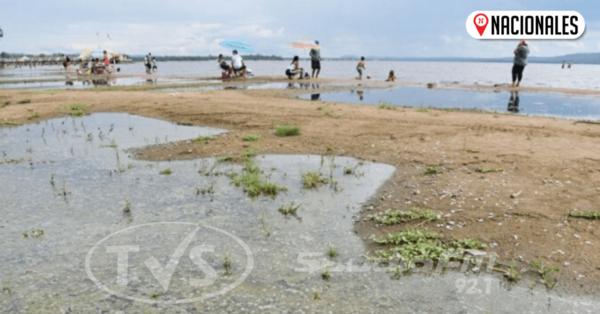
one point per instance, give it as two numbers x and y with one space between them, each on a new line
538 104
513 102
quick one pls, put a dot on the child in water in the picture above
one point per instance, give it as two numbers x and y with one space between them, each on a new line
391 77
360 67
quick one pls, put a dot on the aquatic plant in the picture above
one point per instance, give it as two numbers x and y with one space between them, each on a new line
332 252
348 171
252 183
287 130
154 296
316 295
166 171
433 170
392 217
291 209
127 208
251 137
313 179
326 274
264 224
227 263
486 169
34 233
587 214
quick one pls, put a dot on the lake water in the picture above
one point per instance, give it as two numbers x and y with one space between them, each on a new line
582 76
527 103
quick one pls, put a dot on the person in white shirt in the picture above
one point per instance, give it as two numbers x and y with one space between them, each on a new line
237 63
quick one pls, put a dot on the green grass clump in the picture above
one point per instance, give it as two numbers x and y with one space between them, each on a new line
473 151
587 214
251 137
316 295
313 179
34 233
227 263
412 245
392 217
9 123
473 244
512 273
35 115
291 209
287 130
75 109
544 271
6 103
433 170
166 171
326 274
252 183
423 110
387 106
486 169
332 252
25 101
203 140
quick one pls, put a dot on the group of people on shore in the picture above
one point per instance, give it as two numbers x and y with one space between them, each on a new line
238 67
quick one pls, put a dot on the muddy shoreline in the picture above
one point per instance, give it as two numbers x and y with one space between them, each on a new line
553 163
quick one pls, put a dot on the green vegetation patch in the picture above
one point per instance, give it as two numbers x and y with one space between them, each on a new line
392 217
252 183
251 137
313 179
433 170
75 109
487 169
587 214
287 130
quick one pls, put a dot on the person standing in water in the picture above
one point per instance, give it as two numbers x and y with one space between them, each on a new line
315 56
360 67
519 63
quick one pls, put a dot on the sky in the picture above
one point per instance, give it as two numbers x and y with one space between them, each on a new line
376 28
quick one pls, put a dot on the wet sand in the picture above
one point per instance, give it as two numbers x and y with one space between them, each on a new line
551 165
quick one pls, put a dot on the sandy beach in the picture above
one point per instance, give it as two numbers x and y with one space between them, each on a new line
549 166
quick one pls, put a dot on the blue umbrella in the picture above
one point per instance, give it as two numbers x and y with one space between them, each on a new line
236 44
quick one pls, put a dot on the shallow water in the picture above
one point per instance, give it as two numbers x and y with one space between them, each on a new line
536 104
582 76
88 159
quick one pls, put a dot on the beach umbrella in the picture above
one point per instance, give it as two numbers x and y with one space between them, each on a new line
305 44
85 53
236 44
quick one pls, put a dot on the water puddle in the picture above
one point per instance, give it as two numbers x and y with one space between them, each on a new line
536 104
73 179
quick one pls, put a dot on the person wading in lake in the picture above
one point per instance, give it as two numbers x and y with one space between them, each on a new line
519 63
315 57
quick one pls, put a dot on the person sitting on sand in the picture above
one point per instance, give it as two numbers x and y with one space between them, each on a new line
294 69
360 67
519 63
391 77
238 64
226 70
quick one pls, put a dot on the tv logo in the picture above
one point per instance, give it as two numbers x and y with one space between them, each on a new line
525 25
139 263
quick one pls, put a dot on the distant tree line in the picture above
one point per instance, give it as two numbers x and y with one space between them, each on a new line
205 58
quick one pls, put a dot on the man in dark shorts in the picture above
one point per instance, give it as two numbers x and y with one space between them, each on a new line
315 57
